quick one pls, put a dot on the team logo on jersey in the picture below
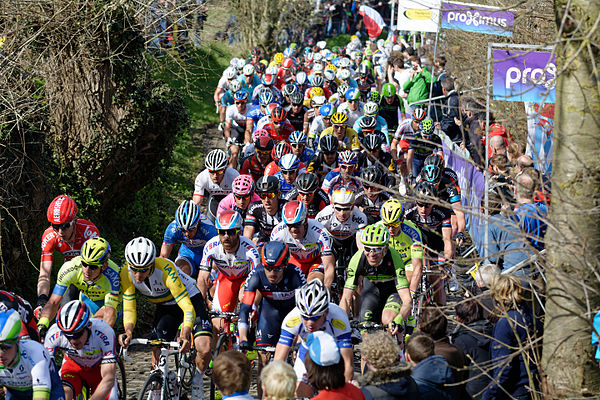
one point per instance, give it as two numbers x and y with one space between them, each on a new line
338 323
293 322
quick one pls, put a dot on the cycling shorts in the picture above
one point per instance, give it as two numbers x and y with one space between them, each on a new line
168 318
269 324
237 135
376 298
308 267
75 376
227 292
193 258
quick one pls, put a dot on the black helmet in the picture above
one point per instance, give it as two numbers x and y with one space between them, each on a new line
268 184
372 142
307 182
431 173
435 159
296 98
367 122
275 255
329 143
425 190
288 89
372 174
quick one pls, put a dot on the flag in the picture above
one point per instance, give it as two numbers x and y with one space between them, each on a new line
373 21
540 126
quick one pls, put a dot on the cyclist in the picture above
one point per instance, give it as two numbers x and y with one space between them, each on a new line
192 230
226 99
315 104
326 158
391 108
96 277
385 294
249 79
243 194
296 112
258 155
406 239
289 166
321 122
309 243
178 302
26 370
282 148
266 86
373 155
12 301
314 312
263 215
426 142
372 198
346 136
66 234
276 280
352 107
257 112
371 110
298 142
307 191
343 175
236 132
365 81
406 132
88 345
279 128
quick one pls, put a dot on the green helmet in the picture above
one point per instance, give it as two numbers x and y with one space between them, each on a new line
375 235
388 90
427 126
374 96
10 325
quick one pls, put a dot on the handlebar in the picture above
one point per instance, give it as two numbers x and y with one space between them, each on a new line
224 314
368 325
151 342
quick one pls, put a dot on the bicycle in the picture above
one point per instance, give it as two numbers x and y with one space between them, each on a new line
424 295
163 383
226 341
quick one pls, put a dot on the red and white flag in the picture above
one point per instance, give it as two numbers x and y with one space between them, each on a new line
373 21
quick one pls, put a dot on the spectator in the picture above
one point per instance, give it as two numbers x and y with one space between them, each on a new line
472 131
387 377
278 381
232 374
514 152
417 88
440 74
450 112
325 369
514 332
431 372
472 336
501 180
497 145
483 280
529 214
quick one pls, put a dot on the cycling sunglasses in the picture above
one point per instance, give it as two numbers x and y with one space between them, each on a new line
228 232
75 335
240 102
219 172
288 171
347 167
352 101
369 187
263 152
342 209
329 153
7 345
63 226
93 267
376 250
393 225
297 144
244 197
419 204
305 193
313 318
296 225
271 269
139 269
269 195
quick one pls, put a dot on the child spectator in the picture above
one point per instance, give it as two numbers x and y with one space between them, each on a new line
232 374
278 381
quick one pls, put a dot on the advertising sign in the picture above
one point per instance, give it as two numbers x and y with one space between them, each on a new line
477 18
418 15
540 125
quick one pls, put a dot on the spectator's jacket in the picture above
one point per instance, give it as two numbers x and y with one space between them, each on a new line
531 218
418 86
433 375
389 383
451 110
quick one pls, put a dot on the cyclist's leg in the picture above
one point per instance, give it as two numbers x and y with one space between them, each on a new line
202 342
434 244
70 373
267 334
371 304
165 325
225 297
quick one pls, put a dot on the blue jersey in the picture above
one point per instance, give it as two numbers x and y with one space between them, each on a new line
381 126
206 231
306 156
285 187
255 115
249 86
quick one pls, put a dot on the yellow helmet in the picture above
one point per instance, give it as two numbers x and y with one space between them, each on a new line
316 91
95 251
353 37
392 212
339 118
278 58
332 67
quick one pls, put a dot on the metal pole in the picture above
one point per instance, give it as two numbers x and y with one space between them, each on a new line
486 173
437 35
392 16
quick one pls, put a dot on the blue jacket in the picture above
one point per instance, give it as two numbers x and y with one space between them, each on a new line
506 246
432 376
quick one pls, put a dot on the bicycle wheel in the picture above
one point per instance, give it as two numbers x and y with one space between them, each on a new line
222 346
187 374
121 380
153 388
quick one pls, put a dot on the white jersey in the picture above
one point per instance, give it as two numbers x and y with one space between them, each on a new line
405 130
233 266
223 83
314 244
32 370
99 348
341 230
232 114
205 184
352 115
262 122
317 126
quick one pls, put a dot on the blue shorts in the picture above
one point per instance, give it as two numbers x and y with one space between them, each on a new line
193 258
269 324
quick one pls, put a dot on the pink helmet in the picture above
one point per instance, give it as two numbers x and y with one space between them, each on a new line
243 185
259 133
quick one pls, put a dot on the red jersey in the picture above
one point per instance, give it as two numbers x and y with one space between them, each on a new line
252 166
273 168
346 392
284 133
51 241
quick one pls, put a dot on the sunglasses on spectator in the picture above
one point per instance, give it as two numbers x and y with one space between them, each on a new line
271 269
269 195
219 172
228 232
93 267
314 318
64 226
342 209
7 345
74 335
288 171
240 197
375 250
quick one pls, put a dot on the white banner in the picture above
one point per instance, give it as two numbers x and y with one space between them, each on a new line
419 15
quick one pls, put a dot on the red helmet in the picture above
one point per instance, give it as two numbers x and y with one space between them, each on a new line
282 148
264 143
278 114
287 63
62 209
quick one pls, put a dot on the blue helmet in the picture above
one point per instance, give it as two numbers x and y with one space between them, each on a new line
297 137
289 162
187 215
326 110
352 94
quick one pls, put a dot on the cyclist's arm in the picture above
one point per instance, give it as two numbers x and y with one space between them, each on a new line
246 305
417 264
329 264
129 307
248 132
406 302
107 371
410 154
49 311
227 130
461 223
448 245
249 231
40 377
180 294
43 286
281 352
109 314
347 355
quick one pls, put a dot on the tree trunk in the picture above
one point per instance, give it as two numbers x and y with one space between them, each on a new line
573 236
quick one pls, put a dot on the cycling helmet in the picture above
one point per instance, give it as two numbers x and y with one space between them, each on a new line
318 57
288 89
342 89
280 150
342 196
264 143
288 162
268 79
367 123
261 67
317 69
275 254
301 78
316 91
240 63
371 174
10 325
216 160
296 98
235 86
339 118
372 142
318 101
95 251
73 316
266 97
392 212
425 190
278 114
329 143
298 137
307 182
248 69
371 109
229 219
317 81
432 174
140 252
230 73
348 157
187 215
240 95
268 184
270 108
294 212
62 209
435 159
242 185
375 235
312 299
287 63
388 90
375 97
326 110
355 55
427 126
278 58
418 114
256 51
345 63
352 94
329 75
344 74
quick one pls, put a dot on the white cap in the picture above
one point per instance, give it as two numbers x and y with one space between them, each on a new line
323 349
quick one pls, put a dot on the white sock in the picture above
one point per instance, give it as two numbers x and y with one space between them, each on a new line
198 377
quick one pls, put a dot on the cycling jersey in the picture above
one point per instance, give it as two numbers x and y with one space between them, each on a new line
306 156
249 86
232 266
408 242
381 126
384 160
405 131
232 114
392 113
285 187
319 202
227 98
33 375
228 203
316 127
448 189
424 147
260 219
284 132
166 284
341 231
364 86
318 166
278 98
296 119
432 225
352 115
255 114
333 180
84 230
11 301
371 208
205 184
191 249
315 243
391 269
262 122
350 141
98 349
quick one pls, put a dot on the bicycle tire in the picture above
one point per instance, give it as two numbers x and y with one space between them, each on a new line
187 374
222 346
154 382
121 379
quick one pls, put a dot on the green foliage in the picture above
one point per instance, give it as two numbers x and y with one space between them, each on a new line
339 40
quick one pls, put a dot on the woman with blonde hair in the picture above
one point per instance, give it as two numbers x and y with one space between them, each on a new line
278 381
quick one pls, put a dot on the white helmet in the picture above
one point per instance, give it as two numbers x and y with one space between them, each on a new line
312 299
319 100
235 86
140 252
344 63
371 108
356 55
230 73
271 71
233 62
240 63
344 74
216 160
248 69
318 68
321 44
343 196
329 74
289 162
317 57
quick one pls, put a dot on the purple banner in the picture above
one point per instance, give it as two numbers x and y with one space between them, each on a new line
524 76
477 18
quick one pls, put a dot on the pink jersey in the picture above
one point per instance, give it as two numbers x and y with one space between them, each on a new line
51 241
228 203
